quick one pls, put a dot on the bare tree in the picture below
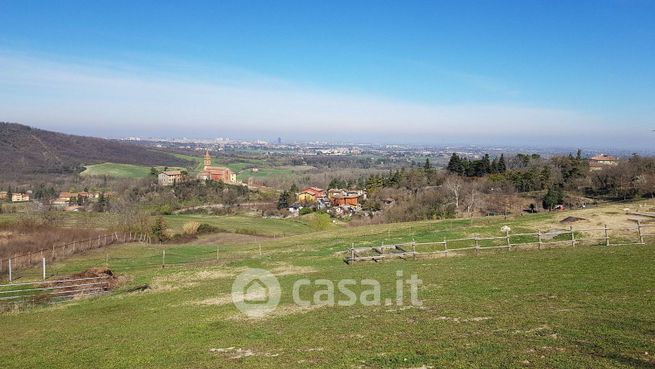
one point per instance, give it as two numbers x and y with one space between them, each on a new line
454 185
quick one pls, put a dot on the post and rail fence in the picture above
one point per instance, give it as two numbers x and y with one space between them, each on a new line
540 240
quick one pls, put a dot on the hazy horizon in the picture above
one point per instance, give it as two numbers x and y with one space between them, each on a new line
565 75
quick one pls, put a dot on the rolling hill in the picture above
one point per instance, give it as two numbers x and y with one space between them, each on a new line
27 151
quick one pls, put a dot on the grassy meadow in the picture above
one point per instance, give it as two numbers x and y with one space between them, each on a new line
591 306
120 170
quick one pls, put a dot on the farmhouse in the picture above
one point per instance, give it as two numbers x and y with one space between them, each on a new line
3 195
216 173
170 177
310 195
601 161
20 197
340 197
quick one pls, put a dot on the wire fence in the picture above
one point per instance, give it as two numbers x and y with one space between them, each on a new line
555 238
12 266
52 291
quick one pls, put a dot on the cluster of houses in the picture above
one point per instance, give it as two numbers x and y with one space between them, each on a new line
16 196
67 201
74 201
209 172
337 202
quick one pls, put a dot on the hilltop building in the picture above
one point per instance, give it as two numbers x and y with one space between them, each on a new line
216 173
170 177
601 161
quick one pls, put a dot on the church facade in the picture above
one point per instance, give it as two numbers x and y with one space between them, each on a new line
216 173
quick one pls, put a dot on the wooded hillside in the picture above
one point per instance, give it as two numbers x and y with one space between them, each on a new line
25 150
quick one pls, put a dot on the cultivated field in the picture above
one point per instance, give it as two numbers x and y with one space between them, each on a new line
554 308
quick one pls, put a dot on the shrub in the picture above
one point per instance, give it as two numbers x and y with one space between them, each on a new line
191 228
208 228
305 211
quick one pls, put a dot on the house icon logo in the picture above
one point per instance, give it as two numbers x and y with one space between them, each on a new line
256 292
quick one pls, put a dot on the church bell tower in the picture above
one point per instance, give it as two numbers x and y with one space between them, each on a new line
208 159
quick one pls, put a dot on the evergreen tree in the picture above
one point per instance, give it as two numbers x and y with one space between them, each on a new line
9 194
456 164
427 165
486 164
283 201
553 197
103 203
158 229
502 167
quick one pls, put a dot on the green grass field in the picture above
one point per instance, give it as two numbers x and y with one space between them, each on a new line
116 170
591 307
243 224
119 170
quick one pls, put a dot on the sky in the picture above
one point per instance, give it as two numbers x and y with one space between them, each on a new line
542 73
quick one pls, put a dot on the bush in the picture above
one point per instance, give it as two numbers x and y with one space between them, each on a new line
191 228
208 228
305 211
159 229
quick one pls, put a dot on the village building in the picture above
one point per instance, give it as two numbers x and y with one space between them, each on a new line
20 197
311 195
601 161
3 195
170 177
340 197
210 172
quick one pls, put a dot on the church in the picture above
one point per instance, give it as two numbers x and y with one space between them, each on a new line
216 173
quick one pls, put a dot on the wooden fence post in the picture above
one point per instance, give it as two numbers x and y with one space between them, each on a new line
641 236
607 237
163 258
539 235
43 265
10 275
572 236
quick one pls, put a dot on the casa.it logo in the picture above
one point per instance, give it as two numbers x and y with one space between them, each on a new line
256 292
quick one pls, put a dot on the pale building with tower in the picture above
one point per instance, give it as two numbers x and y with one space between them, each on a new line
216 173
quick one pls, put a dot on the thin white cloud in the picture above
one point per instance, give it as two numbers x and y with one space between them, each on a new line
52 94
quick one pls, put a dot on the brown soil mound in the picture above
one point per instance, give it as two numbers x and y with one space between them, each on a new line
571 219
94 272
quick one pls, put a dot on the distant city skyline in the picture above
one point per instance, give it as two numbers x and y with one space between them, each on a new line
503 73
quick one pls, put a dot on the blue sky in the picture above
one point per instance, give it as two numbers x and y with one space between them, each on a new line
523 72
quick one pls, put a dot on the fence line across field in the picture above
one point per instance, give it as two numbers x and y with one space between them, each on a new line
54 290
9 265
408 249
